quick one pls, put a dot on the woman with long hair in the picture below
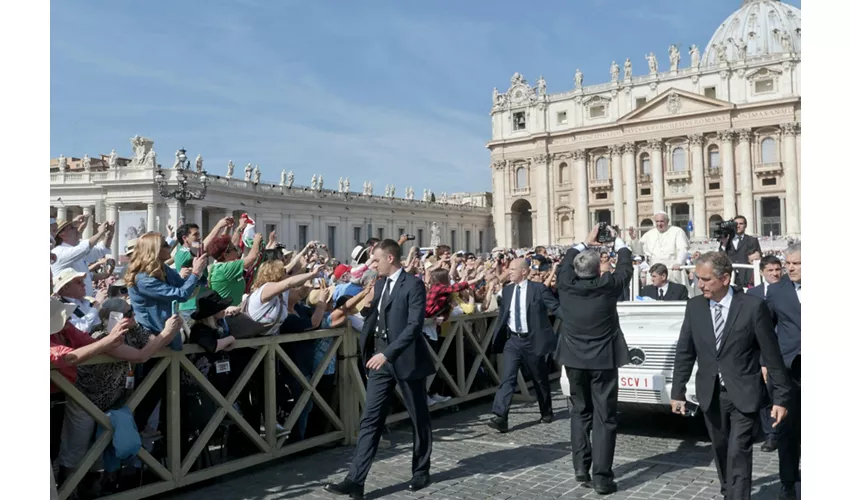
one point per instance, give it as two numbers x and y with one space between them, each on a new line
269 300
152 286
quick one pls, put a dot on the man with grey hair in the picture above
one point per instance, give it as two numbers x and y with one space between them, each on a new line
588 350
724 332
663 244
783 299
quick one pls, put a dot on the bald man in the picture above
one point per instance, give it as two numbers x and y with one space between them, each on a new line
525 336
663 244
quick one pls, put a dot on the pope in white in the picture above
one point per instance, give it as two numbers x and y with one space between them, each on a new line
664 244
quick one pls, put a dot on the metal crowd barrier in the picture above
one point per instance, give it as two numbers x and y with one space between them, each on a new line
460 333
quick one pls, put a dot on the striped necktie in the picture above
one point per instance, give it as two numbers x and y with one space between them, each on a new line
718 332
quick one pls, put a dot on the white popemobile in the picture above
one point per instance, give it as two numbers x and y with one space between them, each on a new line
651 329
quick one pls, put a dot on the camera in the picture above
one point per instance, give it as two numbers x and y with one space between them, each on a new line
727 228
604 235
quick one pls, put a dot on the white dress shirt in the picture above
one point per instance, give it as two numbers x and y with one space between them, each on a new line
521 289
393 280
726 302
79 258
90 317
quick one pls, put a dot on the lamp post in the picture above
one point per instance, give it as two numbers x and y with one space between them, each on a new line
182 192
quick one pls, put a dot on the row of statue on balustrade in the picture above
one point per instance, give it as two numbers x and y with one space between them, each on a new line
675 58
253 173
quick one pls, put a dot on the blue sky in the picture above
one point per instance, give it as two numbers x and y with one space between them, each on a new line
396 92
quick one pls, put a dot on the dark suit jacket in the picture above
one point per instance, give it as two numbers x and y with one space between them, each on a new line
746 246
785 308
405 309
748 333
590 324
538 302
757 291
675 291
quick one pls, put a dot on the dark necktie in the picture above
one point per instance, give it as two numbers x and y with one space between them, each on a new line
517 310
660 294
382 309
719 324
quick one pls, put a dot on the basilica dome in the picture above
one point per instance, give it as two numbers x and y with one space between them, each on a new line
759 28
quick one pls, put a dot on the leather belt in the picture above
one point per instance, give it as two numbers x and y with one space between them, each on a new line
522 335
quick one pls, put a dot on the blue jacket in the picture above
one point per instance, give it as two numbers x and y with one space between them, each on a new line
151 298
126 441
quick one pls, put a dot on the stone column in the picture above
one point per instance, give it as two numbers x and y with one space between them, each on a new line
88 231
499 221
727 162
630 172
757 229
198 217
789 168
698 187
657 166
61 214
582 225
112 216
617 178
746 167
541 193
152 225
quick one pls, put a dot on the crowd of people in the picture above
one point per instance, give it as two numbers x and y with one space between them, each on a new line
184 287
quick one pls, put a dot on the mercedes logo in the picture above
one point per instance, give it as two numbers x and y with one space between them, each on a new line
637 356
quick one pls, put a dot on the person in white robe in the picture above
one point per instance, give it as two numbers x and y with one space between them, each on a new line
664 244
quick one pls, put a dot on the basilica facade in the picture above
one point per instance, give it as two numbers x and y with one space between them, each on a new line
702 141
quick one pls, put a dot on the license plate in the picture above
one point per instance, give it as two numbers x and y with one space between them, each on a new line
647 383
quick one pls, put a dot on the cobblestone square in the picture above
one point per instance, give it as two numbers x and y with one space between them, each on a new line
658 456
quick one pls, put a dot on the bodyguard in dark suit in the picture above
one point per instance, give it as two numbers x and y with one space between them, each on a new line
587 349
738 248
724 331
661 289
397 353
783 298
525 335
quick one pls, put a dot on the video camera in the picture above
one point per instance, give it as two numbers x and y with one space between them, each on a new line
726 229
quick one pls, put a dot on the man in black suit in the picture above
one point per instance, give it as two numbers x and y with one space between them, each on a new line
770 268
738 248
661 289
783 298
586 348
397 352
724 331
524 333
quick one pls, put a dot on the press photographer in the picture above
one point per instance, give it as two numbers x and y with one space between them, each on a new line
738 246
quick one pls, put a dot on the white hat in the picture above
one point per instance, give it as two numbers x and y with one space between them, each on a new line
59 314
638 258
64 277
358 253
131 245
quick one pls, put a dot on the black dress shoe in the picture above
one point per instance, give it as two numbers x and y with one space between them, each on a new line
788 492
546 419
419 482
346 487
605 487
499 423
583 478
769 445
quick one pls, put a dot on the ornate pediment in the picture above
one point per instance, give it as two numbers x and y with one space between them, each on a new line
762 74
520 93
675 102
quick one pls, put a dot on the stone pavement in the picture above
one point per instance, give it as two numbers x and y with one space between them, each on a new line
658 456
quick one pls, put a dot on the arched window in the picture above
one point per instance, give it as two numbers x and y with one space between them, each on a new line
645 169
521 178
565 173
713 156
602 168
680 162
768 150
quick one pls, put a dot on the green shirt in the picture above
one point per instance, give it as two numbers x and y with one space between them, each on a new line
181 257
228 280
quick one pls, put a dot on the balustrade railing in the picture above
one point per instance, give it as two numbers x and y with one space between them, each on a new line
465 366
